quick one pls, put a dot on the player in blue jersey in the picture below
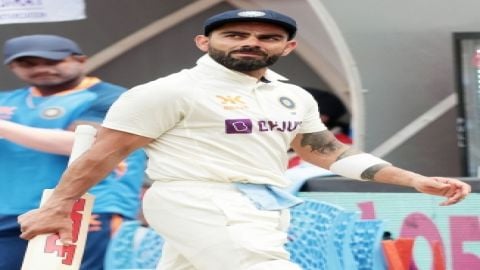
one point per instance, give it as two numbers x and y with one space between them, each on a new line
36 136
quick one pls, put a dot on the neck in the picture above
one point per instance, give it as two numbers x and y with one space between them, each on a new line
47 90
259 73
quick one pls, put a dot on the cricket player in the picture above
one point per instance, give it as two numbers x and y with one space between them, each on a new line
217 137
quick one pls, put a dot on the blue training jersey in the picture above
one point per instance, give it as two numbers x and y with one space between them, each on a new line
25 172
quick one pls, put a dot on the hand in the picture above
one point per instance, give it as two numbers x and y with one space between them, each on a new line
453 189
45 221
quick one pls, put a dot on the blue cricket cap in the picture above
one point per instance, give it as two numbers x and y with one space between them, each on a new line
43 46
242 15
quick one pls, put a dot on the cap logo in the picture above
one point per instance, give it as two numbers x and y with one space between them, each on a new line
251 14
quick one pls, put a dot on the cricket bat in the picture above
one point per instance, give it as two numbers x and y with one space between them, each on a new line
46 251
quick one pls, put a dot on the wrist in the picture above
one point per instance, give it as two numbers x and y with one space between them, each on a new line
59 206
397 176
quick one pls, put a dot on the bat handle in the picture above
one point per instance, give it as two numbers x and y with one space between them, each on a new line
84 138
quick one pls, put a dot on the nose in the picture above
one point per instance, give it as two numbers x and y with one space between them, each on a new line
40 68
252 41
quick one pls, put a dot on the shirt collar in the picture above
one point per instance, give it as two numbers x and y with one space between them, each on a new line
206 62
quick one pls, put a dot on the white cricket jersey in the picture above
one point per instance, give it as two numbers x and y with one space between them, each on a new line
214 124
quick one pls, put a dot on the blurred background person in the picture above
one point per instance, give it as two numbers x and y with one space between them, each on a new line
36 136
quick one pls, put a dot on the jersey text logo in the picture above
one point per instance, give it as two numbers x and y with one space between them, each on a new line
232 102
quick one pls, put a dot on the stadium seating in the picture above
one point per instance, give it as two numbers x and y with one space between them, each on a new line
341 239
366 244
309 234
323 236
133 247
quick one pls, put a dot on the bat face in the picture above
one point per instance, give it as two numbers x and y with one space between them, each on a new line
67 253
48 252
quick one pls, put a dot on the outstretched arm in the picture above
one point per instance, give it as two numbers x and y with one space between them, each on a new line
109 149
322 149
55 141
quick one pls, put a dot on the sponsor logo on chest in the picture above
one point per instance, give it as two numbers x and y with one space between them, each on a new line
245 126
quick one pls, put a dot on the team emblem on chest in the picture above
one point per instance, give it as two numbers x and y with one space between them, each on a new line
53 112
287 102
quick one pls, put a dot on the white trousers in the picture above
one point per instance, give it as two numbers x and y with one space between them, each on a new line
213 226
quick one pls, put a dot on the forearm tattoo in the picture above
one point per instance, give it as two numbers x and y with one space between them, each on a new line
322 142
369 173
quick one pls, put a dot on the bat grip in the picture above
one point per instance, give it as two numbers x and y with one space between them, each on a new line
84 138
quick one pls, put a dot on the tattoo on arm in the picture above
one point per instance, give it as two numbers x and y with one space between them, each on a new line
321 142
349 152
369 173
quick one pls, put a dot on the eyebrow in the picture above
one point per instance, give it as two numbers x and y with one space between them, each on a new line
233 32
247 33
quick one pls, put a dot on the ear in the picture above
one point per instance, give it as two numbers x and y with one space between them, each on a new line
202 42
291 45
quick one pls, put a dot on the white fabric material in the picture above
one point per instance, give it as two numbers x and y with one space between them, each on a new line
32 11
353 166
213 226
214 124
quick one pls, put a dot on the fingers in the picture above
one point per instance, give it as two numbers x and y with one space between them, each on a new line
26 232
456 192
29 232
457 197
465 188
30 226
27 235
66 237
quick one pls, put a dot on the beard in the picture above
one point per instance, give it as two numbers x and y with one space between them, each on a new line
242 64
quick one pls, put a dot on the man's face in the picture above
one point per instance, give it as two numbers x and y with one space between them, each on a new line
248 46
46 73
